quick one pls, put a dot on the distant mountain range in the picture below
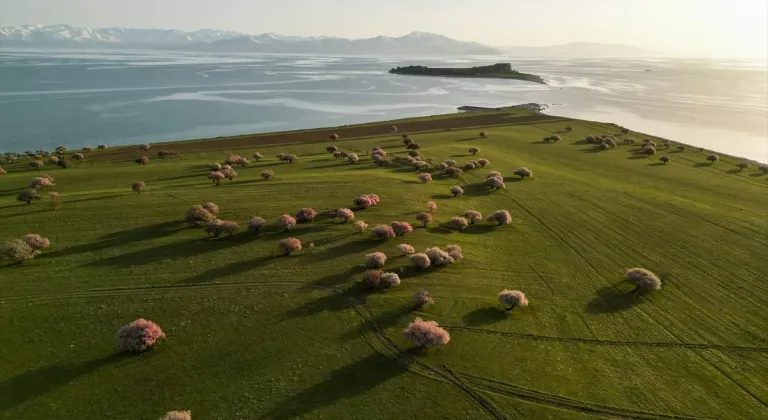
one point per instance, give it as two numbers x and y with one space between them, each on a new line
66 36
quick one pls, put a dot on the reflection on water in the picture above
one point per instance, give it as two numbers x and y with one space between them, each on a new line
118 97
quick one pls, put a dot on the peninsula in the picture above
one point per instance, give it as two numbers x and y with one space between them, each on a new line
495 71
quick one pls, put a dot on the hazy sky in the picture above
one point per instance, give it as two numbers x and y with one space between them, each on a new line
684 27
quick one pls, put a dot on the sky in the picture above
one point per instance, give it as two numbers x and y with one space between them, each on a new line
716 28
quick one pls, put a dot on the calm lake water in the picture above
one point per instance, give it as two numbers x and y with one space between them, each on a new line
79 98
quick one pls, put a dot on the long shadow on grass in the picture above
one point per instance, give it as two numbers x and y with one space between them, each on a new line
337 301
231 269
142 233
185 249
96 198
383 320
484 316
36 382
610 299
347 382
332 280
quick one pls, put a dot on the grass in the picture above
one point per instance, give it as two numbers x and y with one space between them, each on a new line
252 335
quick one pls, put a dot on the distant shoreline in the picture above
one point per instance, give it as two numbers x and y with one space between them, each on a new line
495 71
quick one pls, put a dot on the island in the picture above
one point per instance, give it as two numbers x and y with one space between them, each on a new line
496 71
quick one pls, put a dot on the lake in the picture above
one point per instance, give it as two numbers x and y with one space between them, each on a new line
116 97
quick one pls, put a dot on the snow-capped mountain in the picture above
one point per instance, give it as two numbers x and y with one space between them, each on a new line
67 36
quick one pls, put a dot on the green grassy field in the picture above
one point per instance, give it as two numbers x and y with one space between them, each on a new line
251 335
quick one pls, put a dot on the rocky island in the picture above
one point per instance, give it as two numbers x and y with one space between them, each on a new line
496 71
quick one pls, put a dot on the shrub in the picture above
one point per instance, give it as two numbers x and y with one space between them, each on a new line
452 172
289 245
413 146
420 260
78 156
372 279
366 200
352 158
422 298
502 217
285 222
554 138
473 216
279 156
217 227
451 163
390 279
624 131
523 172
215 167
334 136
383 232
37 164
469 166
337 155
331 149
666 143
258 156
88 148
41 182
139 336
217 177
267 174
568 129
424 218
177 415
763 169
438 257
483 162
17 251
2 171
55 200
742 165
102 147
255 224
611 143
494 174
229 173
414 153
642 279
425 177
512 298
457 191
142 160
406 140
360 226
345 214
306 215
665 159
649 150
401 228
605 146
138 187
393 129
421 166
197 215
681 147
494 182
289 158
144 147
375 260
713 158
455 252
236 160
406 249
474 150
35 241
426 334
28 195
459 223
211 207
431 205
484 134
652 144
384 162
629 141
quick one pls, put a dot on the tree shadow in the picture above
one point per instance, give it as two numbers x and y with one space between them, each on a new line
349 247
471 139
33 383
757 174
336 301
142 233
734 171
410 271
485 316
332 280
703 165
479 229
593 150
411 182
173 178
461 156
229 270
97 198
657 164
637 157
440 229
344 383
441 196
383 320
609 299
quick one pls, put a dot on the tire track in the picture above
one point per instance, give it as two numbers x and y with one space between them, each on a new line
410 362
579 340
544 398
124 291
